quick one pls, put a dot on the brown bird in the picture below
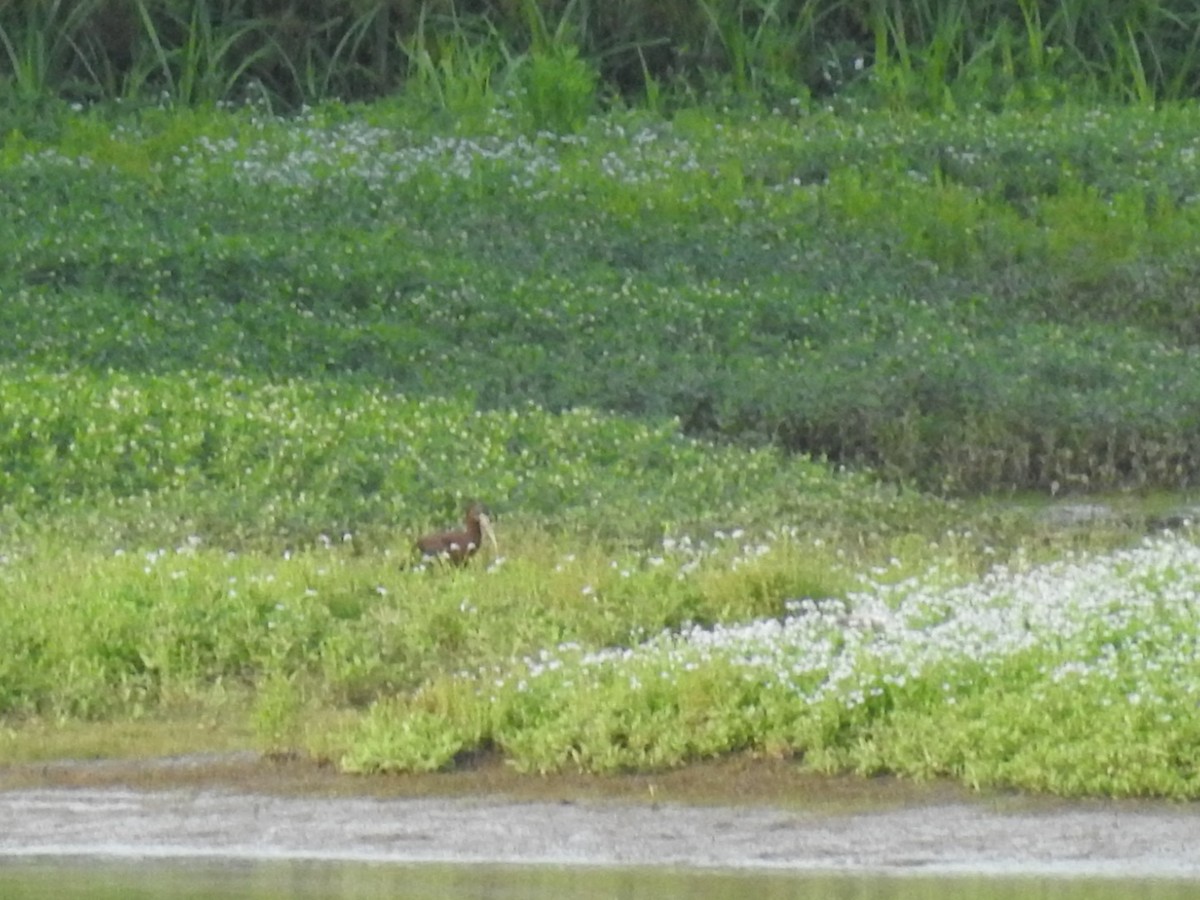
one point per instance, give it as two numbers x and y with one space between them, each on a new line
459 546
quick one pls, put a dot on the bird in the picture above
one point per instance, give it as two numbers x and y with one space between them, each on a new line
458 546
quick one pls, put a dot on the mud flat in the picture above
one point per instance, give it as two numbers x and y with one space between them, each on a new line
201 807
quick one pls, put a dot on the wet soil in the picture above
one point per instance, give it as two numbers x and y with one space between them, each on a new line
735 814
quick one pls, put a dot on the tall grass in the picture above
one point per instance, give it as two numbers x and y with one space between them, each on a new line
196 58
462 68
47 50
928 53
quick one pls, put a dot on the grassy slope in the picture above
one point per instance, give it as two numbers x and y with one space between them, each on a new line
207 325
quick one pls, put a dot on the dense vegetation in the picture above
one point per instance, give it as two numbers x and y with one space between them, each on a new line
988 302
931 53
700 352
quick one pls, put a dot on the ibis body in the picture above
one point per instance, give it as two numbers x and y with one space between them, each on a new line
459 545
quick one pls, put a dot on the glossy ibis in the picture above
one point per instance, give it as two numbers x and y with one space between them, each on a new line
460 545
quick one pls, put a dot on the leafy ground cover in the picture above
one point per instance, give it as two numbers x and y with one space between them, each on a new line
985 302
1078 676
247 359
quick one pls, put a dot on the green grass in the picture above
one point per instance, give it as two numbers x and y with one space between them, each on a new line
1073 678
699 368
226 532
248 461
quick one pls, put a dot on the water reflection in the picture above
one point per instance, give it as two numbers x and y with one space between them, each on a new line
206 879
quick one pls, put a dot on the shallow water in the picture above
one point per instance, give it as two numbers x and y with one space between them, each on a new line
197 879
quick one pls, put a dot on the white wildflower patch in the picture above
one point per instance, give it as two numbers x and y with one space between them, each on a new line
1091 618
309 153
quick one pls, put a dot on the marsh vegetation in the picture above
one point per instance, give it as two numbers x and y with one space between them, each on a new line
756 370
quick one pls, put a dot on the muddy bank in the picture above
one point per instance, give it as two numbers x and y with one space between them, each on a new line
858 825
938 839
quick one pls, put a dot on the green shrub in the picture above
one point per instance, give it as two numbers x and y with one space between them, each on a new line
557 89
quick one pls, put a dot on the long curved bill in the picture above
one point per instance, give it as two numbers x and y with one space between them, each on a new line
486 524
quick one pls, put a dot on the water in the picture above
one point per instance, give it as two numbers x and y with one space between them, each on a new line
55 879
